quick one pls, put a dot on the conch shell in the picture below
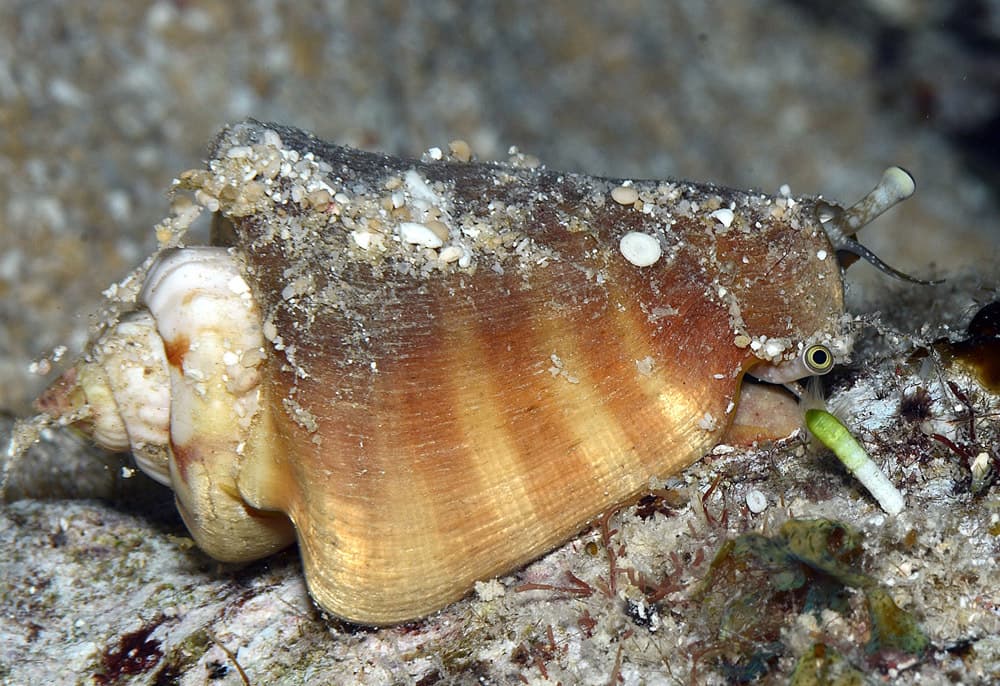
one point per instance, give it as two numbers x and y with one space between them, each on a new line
430 372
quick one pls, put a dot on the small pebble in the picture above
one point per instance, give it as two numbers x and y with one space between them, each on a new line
640 249
460 150
756 501
439 229
451 253
419 234
625 195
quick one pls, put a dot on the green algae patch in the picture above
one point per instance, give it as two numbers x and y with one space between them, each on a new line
758 585
891 627
821 665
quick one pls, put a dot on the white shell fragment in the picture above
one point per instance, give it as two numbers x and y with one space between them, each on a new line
640 249
980 469
419 234
756 501
724 216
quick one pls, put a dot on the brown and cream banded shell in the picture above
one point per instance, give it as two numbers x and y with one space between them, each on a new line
430 372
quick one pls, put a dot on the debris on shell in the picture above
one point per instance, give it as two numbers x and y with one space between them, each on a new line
640 249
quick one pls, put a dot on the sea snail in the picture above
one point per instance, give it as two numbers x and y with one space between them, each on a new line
430 372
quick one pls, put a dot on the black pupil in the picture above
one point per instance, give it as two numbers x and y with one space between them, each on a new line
819 357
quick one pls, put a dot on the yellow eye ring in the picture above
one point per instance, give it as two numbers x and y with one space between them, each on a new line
818 359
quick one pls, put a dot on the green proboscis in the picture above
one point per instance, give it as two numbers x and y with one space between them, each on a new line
832 433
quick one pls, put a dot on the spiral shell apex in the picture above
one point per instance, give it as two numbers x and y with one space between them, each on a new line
430 372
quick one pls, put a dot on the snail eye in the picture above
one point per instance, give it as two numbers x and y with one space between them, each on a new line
818 359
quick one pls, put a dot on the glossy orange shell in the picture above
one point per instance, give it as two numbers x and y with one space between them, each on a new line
430 423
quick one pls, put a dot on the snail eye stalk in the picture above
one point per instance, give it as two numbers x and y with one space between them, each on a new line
841 224
818 359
